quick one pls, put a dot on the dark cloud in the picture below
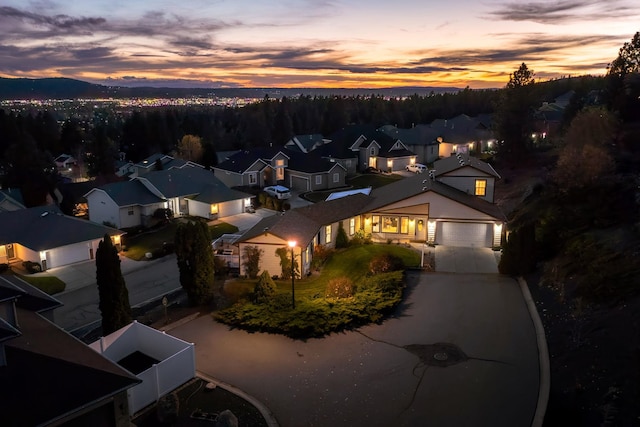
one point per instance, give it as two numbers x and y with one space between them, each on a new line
561 11
529 47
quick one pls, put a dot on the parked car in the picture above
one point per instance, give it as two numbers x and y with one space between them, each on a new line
416 168
278 191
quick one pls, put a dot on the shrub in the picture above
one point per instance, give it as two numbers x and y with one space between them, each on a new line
251 261
341 287
286 206
32 267
264 290
220 267
163 213
361 238
321 254
285 263
385 283
384 263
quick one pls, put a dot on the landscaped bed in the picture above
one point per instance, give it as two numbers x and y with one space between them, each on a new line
198 404
344 294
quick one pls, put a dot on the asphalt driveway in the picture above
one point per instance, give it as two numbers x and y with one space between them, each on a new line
483 372
453 259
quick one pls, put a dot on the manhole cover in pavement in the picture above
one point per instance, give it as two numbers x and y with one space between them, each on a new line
440 354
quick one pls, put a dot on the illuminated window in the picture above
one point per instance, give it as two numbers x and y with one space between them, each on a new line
375 226
352 226
280 169
404 225
214 208
481 187
318 179
389 224
327 234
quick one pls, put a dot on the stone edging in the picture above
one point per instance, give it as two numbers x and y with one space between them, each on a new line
264 411
543 356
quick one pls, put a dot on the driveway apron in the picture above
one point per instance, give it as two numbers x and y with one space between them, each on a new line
461 351
453 259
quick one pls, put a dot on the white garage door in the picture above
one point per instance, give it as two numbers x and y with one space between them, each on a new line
466 234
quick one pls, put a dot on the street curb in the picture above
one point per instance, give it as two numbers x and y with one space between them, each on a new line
264 411
543 356
180 322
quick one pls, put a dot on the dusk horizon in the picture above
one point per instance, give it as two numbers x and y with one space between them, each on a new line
307 44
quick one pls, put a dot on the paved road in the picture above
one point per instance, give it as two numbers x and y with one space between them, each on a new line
80 308
375 377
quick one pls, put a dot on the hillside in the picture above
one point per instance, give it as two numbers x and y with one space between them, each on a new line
63 88
586 288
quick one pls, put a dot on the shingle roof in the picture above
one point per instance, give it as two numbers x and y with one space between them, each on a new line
129 193
192 181
409 187
50 374
45 227
302 224
417 135
449 164
309 141
31 298
242 160
308 163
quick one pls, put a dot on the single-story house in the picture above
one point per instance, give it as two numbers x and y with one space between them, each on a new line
49 377
151 163
422 140
439 209
185 191
46 236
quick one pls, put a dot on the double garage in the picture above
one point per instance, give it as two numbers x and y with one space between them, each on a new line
467 234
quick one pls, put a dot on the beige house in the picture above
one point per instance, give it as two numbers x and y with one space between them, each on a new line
436 208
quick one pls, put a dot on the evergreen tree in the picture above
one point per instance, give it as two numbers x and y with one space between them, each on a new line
342 241
114 297
513 116
195 261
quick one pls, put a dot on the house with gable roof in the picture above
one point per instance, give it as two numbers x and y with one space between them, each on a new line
49 377
46 236
422 140
312 172
257 167
464 134
149 164
452 205
189 190
374 148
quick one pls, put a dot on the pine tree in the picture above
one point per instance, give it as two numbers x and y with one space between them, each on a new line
195 261
342 241
114 296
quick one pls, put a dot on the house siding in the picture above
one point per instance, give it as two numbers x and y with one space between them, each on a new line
464 179
103 209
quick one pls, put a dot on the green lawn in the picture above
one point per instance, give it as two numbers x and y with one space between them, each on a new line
316 315
138 245
374 180
48 284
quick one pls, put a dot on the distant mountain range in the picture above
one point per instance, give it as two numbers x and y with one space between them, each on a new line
63 88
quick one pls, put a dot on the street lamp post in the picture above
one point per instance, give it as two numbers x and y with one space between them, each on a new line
292 245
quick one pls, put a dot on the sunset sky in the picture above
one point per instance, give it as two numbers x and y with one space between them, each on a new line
311 43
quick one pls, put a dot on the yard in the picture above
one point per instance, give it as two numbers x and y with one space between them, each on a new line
316 313
136 246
